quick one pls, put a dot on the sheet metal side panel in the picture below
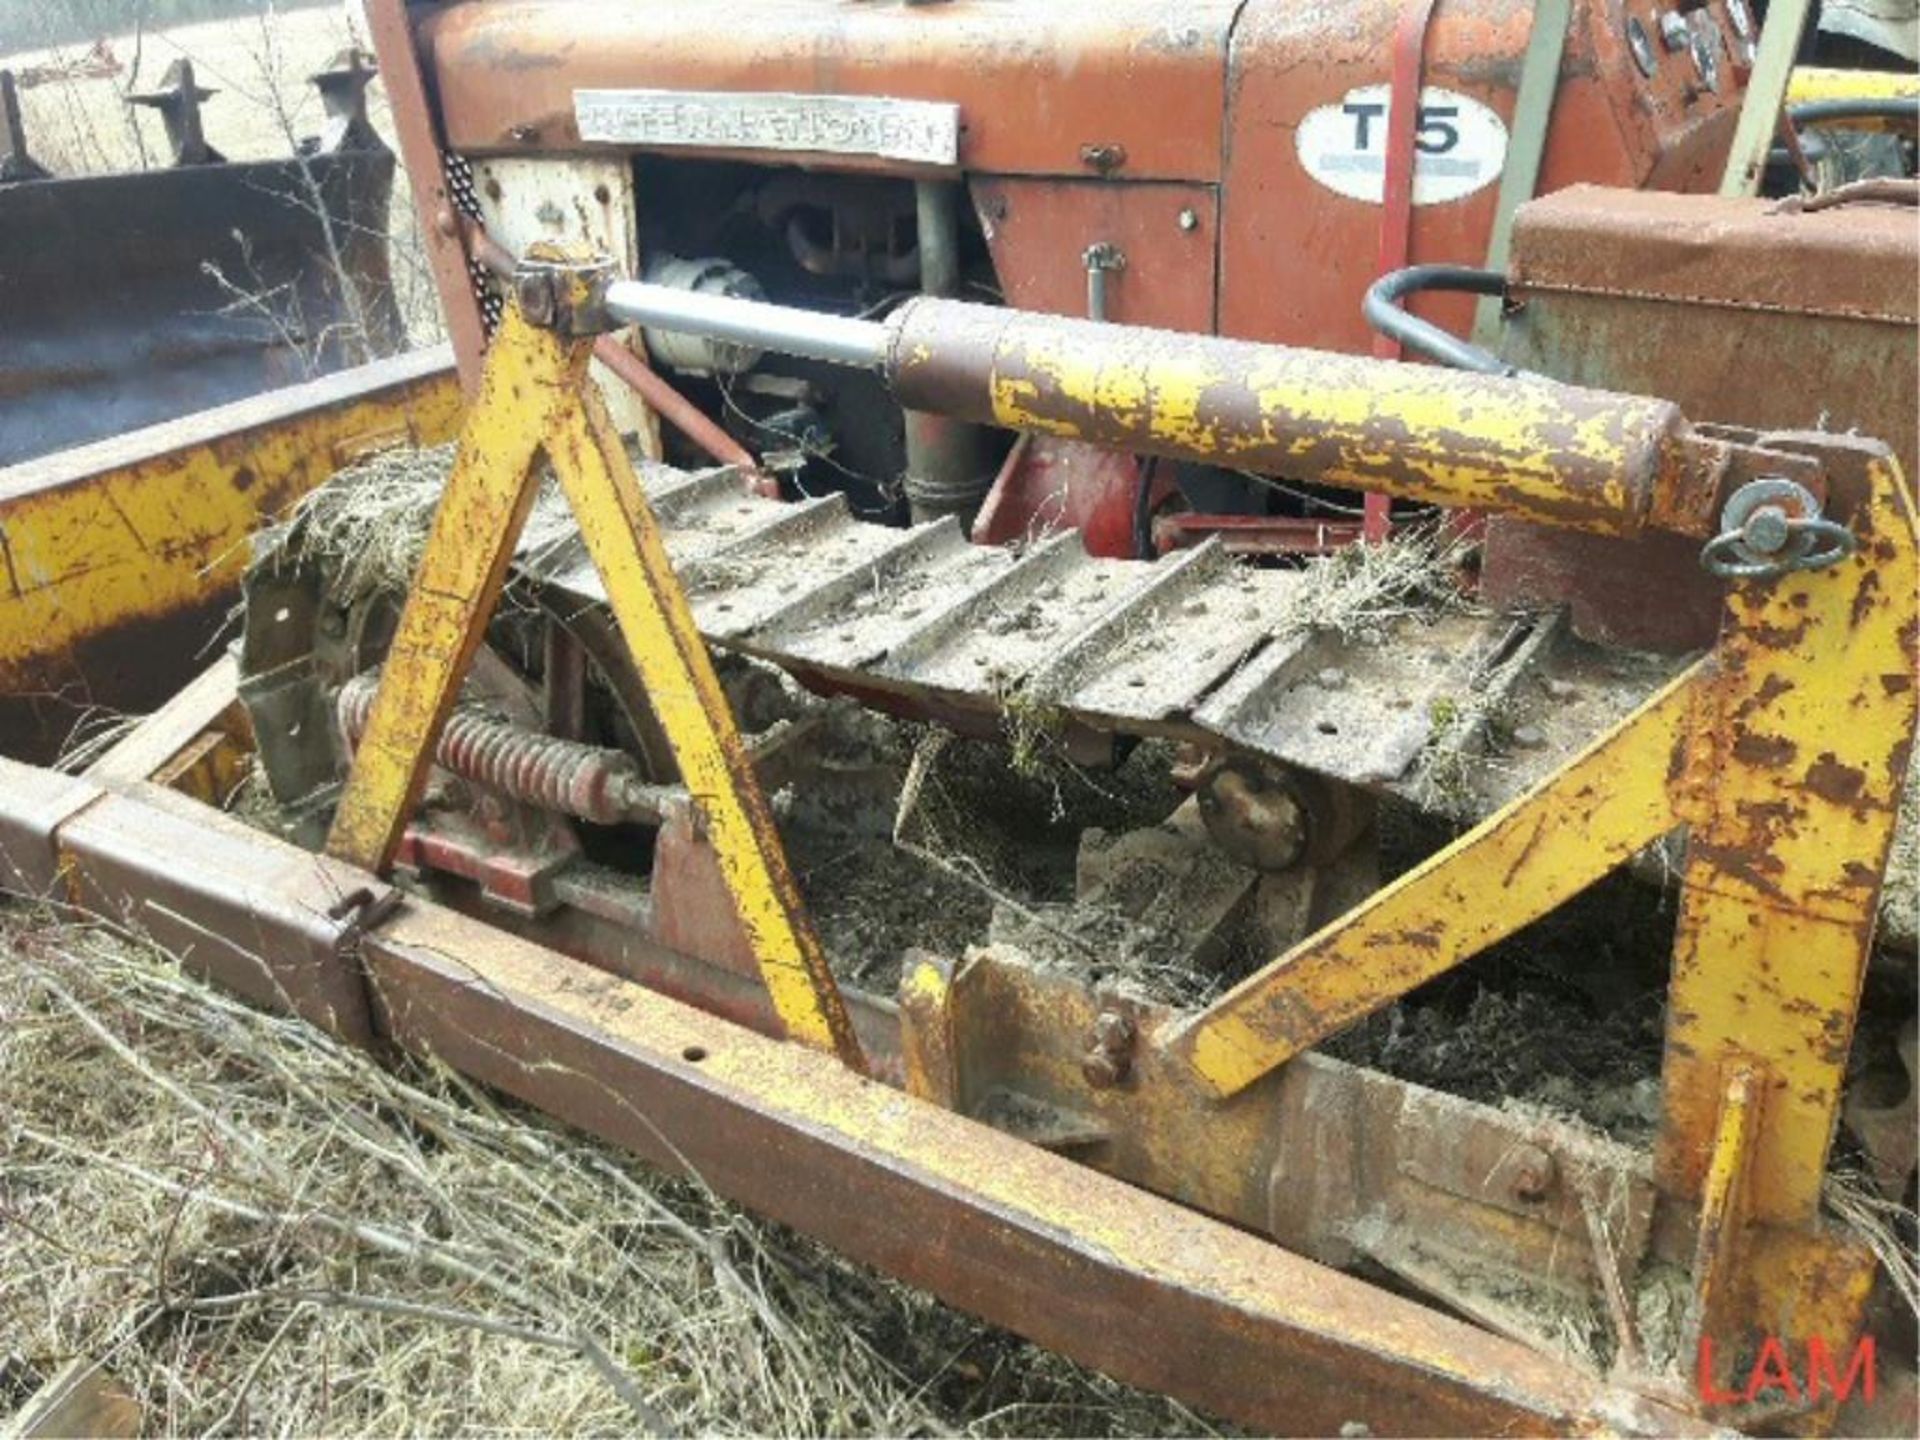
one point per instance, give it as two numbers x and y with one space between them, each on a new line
1852 261
1608 127
1035 81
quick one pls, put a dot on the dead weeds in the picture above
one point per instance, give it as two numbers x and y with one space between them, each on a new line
253 1227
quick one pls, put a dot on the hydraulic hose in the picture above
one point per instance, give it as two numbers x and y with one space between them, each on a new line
1836 112
1384 312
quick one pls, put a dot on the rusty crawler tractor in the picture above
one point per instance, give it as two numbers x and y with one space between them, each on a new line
549 842
1043 1149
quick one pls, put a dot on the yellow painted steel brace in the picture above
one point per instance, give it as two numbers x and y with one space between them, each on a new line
535 400
1784 753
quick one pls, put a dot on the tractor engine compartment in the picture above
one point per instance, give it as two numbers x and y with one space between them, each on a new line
1183 156
845 244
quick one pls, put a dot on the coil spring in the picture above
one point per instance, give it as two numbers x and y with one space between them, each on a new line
540 770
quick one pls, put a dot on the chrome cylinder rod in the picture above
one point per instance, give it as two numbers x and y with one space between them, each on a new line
784 329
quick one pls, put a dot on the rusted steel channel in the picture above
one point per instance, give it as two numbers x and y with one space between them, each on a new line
1136 1286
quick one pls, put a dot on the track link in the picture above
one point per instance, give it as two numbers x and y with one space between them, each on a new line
1194 646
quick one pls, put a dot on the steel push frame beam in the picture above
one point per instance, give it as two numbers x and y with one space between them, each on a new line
1140 1287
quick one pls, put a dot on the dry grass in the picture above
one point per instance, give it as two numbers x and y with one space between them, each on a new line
1886 1227
981 823
368 524
256 1229
1360 589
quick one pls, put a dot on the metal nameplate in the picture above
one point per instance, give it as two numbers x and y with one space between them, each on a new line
925 132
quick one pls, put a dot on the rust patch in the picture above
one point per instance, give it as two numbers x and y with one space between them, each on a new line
1777 637
1771 689
1677 762
1865 599
1864 876
1831 780
1767 751
1743 862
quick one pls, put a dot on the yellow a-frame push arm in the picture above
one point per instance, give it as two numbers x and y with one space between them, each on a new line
535 401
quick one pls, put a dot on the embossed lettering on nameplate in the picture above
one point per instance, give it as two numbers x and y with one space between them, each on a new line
926 132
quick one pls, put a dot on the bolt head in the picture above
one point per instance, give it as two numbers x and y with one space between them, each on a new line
1102 1069
1532 1176
1113 1030
1767 530
1108 1058
1189 219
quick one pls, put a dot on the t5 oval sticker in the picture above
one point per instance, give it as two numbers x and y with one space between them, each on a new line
1459 145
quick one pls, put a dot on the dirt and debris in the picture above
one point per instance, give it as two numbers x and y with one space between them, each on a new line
1529 1047
904 836
1567 1016
871 903
1662 1304
1104 946
253 1227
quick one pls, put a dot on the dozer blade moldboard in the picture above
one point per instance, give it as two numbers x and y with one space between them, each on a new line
127 300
